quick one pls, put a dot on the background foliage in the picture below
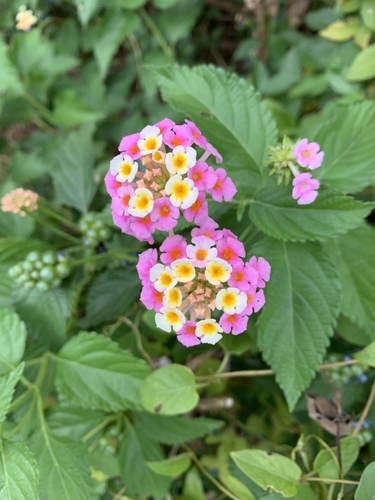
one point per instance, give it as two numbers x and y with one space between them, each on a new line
95 402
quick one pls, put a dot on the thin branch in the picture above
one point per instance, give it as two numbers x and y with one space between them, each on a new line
365 411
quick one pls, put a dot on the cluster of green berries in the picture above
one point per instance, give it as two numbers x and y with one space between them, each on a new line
342 374
364 437
40 270
93 229
110 441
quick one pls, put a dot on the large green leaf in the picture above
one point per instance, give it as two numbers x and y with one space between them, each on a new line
171 467
105 377
70 110
64 467
110 295
45 314
72 169
12 340
174 430
228 111
366 488
299 315
170 390
18 472
347 139
135 451
275 212
73 421
355 260
275 471
7 385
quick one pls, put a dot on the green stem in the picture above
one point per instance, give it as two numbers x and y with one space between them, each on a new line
99 256
156 33
21 399
138 338
327 480
205 472
55 215
98 428
365 412
39 107
51 228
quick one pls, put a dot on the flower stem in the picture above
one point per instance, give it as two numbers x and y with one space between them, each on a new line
156 33
51 228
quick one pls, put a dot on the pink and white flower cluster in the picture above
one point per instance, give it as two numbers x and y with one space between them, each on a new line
307 155
162 173
204 288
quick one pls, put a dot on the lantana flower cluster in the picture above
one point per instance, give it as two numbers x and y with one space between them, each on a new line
205 288
162 173
289 158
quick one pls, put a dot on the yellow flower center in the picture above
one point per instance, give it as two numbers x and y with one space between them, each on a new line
150 143
125 169
172 317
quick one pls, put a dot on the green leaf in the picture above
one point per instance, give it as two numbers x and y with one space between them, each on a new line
275 471
26 167
347 139
72 172
135 451
73 421
368 13
169 390
326 462
298 318
174 430
10 81
7 385
228 111
110 295
366 488
341 31
355 259
113 29
366 355
290 72
45 314
363 66
86 9
12 340
171 467
18 472
178 21
70 110
105 377
276 213
63 467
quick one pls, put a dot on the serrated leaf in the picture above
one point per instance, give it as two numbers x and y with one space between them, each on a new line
276 213
105 377
7 385
326 462
72 173
298 318
169 390
347 139
110 295
114 28
45 314
18 472
135 451
9 81
28 166
174 430
12 340
355 260
171 467
275 471
366 488
63 467
366 355
228 111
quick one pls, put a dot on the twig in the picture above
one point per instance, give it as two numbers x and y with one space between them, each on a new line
365 411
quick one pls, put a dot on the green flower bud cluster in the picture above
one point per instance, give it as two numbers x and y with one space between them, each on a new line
342 374
93 229
280 159
364 437
110 441
40 270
